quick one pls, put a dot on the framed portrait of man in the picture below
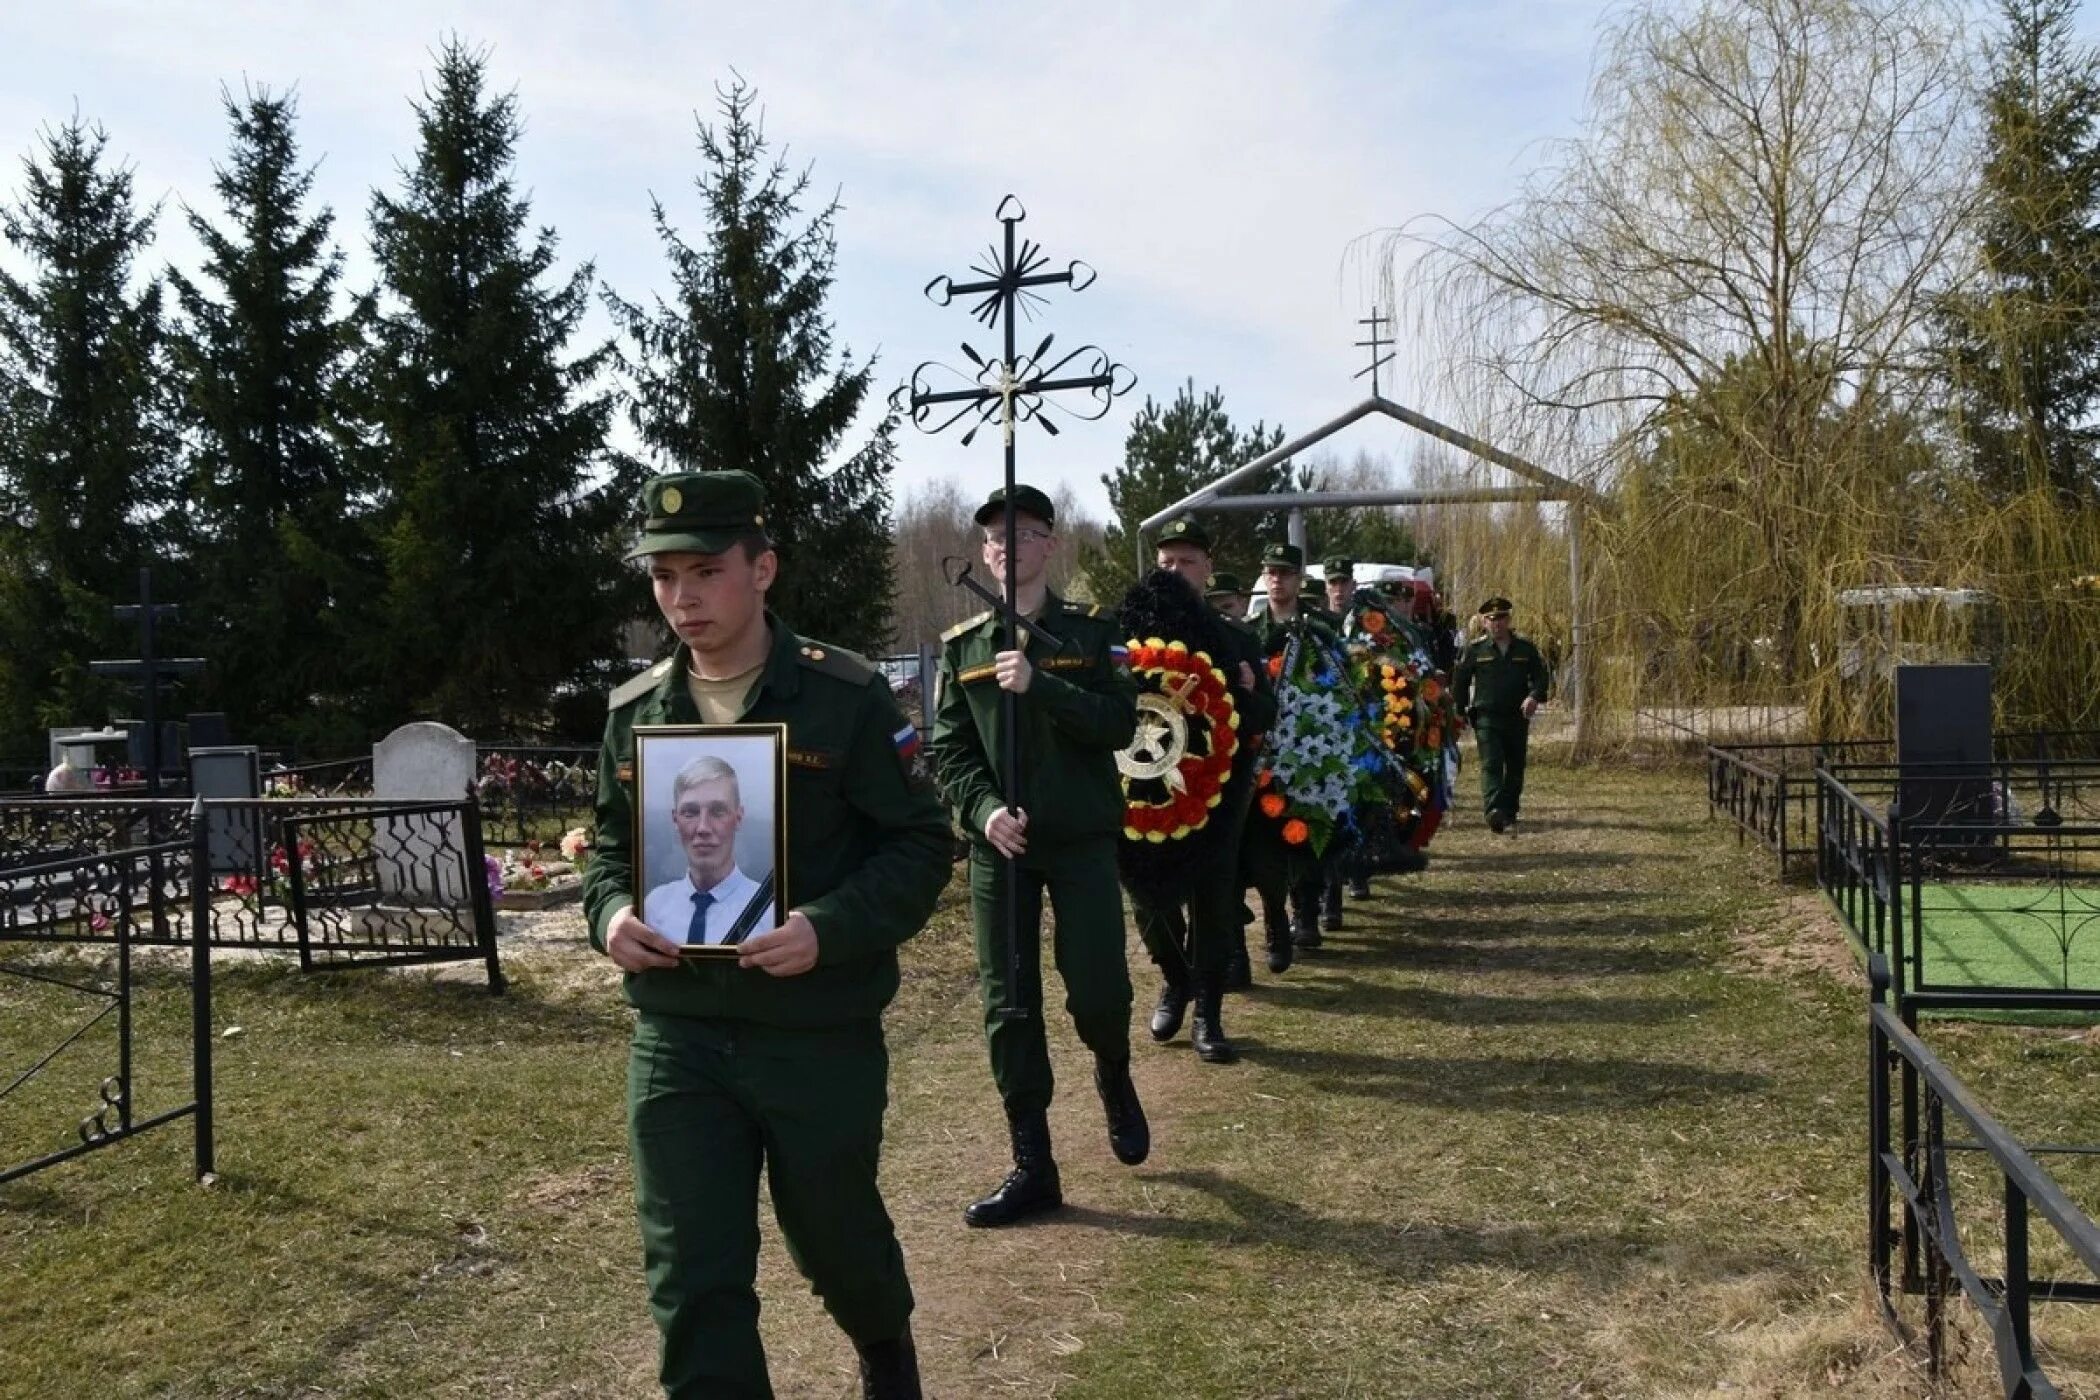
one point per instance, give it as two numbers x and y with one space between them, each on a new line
710 836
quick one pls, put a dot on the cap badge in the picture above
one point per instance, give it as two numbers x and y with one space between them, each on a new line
671 501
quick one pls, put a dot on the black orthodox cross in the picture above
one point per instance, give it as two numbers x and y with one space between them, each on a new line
149 670
1011 390
1376 321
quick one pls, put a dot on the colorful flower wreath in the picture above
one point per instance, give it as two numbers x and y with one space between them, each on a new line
1183 691
1323 757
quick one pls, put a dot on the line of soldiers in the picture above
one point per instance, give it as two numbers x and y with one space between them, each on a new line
773 1059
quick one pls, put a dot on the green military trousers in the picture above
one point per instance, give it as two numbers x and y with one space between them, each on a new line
1199 941
1277 870
708 1104
1086 903
1502 741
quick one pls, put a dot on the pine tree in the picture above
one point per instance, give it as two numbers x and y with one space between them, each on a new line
85 447
1173 449
735 370
278 559
2023 345
499 506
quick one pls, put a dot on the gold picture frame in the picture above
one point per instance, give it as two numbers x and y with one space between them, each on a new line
710 808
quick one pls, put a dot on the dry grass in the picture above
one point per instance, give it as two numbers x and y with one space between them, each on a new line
1576 1113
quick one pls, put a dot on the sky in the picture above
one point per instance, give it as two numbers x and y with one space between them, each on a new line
1226 167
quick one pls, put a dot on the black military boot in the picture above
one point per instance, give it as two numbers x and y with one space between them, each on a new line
1359 887
1129 1135
1208 1032
1278 930
1173 1005
1331 906
889 1370
1032 1186
1305 914
1239 970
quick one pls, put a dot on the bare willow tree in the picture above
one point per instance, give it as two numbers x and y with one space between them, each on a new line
1713 306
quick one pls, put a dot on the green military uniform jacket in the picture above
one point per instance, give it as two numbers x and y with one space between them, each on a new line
1257 707
1273 634
1078 710
1492 682
867 847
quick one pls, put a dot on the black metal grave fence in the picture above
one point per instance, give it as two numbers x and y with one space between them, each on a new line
114 896
338 882
1913 1205
1979 883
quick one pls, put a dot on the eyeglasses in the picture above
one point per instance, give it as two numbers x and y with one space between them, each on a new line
996 539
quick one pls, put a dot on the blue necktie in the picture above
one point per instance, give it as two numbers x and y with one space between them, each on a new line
697 931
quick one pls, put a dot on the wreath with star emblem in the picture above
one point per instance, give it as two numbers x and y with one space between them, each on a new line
1177 763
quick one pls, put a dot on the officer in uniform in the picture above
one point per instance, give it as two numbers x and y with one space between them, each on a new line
774 1060
1500 683
1224 593
1076 705
1212 920
1340 570
1275 868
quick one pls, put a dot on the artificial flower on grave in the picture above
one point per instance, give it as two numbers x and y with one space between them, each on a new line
576 846
525 870
1176 767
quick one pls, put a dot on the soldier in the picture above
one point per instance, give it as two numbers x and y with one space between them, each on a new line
1223 592
1340 570
1276 869
777 1058
1212 920
1076 706
1500 684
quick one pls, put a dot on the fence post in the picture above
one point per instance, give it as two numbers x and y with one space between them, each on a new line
1879 1242
200 988
295 876
483 902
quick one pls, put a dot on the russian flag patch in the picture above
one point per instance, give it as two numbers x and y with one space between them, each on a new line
1119 653
907 742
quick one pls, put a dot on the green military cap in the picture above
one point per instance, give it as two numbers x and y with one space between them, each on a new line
1218 585
1496 607
1026 499
1185 530
1338 566
699 512
1283 556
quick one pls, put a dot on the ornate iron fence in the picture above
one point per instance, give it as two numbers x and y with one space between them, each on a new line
1914 1203
114 896
339 882
1980 883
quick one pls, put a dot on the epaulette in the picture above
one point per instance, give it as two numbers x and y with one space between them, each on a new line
1078 610
835 661
968 624
636 687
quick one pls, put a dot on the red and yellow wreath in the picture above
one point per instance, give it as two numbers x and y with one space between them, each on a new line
1176 767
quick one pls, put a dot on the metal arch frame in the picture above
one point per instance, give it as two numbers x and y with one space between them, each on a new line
1543 485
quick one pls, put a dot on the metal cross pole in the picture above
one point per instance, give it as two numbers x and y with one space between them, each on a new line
1376 321
1011 390
149 670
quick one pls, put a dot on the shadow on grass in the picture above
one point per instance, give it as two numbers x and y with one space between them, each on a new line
1510 855
1511 954
1409 1254
1358 997
1541 1084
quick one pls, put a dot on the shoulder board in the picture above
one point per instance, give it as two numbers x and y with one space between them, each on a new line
1079 610
636 687
835 661
968 624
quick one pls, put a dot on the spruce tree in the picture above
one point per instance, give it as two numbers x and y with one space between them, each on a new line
735 370
278 560
1172 449
2023 343
86 451
499 506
